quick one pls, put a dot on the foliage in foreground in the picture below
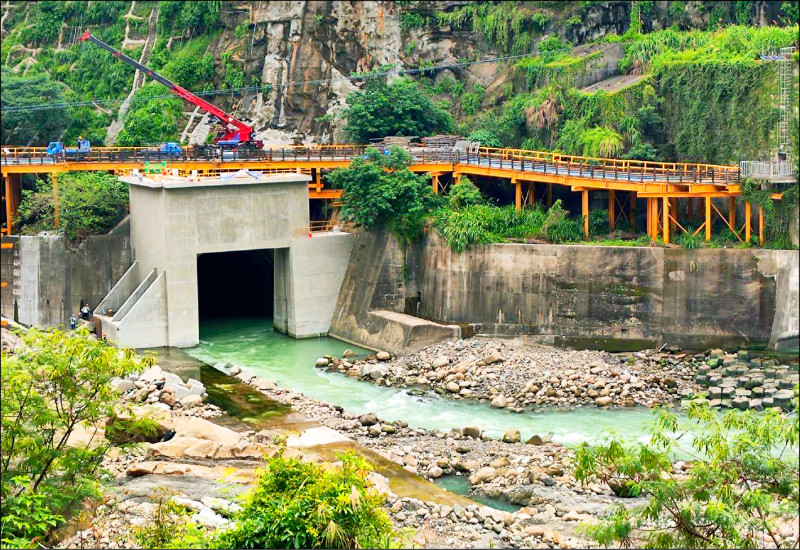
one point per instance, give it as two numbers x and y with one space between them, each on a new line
90 203
380 191
305 505
743 479
58 383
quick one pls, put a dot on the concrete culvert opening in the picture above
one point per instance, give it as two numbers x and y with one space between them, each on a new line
236 284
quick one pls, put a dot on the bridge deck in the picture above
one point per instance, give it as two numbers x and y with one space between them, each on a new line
653 181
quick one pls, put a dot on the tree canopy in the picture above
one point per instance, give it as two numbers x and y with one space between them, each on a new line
31 127
397 108
380 190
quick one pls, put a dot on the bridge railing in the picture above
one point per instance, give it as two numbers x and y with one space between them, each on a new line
514 159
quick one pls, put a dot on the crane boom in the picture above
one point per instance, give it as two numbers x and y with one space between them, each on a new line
242 132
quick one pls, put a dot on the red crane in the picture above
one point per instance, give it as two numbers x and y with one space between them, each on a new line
235 132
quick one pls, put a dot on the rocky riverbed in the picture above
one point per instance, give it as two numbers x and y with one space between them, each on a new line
516 375
204 464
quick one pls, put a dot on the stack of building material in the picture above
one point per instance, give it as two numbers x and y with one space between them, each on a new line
399 141
441 141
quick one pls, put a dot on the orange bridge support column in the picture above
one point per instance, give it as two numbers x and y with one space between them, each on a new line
611 204
665 218
517 194
435 183
585 211
761 239
748 216
708 219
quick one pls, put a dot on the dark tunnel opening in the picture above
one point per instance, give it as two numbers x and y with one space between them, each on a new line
236 284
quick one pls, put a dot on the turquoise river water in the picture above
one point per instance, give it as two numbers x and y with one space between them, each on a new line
253 344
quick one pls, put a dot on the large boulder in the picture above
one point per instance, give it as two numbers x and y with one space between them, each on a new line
511 436
472 431
383 356
441 361
499 401
203 429
604 401
487 473
492 356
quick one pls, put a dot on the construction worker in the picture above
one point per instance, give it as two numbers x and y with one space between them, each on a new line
85 311
72 321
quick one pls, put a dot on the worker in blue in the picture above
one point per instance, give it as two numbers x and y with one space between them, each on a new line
72 321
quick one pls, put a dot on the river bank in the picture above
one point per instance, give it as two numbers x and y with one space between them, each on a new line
519 376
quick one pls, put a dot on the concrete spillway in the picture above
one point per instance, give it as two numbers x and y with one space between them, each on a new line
178 224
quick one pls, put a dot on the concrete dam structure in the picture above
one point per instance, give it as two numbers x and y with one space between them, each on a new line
237 245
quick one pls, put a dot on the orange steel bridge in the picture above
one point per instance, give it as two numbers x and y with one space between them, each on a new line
661 184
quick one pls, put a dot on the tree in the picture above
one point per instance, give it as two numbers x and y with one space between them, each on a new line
380 190
58 383
739 485
397 108
26 127
90 203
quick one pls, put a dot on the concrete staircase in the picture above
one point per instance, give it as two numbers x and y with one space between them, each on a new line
134 313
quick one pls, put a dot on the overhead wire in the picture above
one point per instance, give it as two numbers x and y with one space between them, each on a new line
256 89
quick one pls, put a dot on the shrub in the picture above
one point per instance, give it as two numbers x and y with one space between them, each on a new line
689 240
52 386
484 224
559 227
739 484
598 222
380 190
307 505
464 193
169 526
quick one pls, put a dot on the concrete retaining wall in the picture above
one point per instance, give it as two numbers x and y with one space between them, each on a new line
581 296
613 296
48 276
369 311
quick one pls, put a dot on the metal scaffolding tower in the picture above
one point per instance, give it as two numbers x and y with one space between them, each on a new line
784 98
781 169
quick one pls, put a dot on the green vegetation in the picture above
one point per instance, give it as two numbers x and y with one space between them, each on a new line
170 526
152 118
743 477
463 194
305 505
89 203
54 386
485 224
29 127
380 191
397 108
